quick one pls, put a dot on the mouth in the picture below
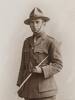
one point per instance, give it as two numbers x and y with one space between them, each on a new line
34 29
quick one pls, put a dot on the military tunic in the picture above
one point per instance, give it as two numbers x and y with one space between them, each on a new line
39 85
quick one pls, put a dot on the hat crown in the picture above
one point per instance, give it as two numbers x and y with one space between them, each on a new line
36 12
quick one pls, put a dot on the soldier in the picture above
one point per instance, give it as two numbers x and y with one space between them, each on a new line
41 85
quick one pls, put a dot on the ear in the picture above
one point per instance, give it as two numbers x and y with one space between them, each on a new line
44 23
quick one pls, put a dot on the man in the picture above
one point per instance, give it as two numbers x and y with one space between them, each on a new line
41 85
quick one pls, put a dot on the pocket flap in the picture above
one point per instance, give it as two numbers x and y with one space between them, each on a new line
41 50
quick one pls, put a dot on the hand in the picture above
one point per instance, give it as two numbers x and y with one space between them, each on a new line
37 69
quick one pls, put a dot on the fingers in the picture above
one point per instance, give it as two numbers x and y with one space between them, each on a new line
37 70
34 70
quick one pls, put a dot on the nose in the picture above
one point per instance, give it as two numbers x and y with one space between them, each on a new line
34 24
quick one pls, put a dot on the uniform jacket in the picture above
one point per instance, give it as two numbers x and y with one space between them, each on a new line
39 85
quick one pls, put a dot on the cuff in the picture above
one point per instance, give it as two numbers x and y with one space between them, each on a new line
46 71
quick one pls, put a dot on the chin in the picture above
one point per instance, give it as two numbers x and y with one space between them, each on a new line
35 31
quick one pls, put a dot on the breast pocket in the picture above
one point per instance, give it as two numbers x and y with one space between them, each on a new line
41 50
40 54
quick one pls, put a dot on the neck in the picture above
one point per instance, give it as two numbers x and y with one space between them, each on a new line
37 35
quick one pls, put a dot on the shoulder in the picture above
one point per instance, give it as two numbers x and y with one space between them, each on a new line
50 38
53 41
28 39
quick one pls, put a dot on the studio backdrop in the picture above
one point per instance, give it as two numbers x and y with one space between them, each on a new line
13 33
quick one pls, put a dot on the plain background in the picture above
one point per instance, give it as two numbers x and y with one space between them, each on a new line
13 31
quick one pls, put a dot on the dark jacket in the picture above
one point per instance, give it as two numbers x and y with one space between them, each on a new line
39 85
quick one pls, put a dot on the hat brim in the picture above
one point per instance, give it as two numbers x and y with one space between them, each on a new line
27 21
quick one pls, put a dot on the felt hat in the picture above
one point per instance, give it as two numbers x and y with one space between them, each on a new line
35 14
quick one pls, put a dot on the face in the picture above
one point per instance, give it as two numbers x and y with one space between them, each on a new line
37 25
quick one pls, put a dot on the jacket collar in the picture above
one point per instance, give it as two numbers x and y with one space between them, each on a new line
42 37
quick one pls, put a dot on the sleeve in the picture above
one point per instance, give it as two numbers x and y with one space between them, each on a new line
22 67
55 58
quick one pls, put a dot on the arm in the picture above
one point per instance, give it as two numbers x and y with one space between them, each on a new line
55 64
22 67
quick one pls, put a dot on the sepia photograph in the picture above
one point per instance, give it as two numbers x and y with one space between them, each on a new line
37 50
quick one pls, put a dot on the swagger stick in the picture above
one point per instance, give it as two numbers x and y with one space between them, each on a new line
31 74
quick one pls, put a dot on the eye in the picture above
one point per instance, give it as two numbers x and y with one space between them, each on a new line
32 22
37 22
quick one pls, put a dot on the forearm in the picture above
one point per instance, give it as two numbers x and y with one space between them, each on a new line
51 69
